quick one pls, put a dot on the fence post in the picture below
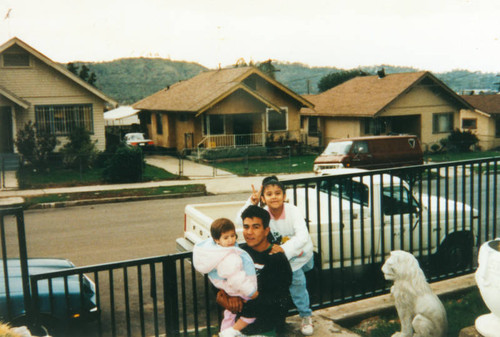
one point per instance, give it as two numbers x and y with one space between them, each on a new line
2 178
170 297
246 162
289 158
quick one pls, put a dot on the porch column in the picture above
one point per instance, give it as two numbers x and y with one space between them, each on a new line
263 118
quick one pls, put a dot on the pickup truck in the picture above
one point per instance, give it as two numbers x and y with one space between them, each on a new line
361 219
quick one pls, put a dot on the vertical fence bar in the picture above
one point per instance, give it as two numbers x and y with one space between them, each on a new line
170 297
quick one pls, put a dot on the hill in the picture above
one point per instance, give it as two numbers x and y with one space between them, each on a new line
131 79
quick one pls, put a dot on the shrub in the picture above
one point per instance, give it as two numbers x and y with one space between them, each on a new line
35 147
125 165
459 141
233 152
80 151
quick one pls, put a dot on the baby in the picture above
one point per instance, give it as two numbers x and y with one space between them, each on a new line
229 268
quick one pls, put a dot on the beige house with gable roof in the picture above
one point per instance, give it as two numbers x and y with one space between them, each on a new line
223 108
411 103
35 88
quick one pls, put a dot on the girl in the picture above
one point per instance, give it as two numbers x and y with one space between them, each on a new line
290 236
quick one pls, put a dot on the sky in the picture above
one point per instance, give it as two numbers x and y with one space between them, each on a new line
434 35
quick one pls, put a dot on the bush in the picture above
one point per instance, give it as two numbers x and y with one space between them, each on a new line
35 147
126 165
459 141
80 151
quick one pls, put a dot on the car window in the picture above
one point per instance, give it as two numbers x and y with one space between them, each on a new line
398 201
360 147
349 189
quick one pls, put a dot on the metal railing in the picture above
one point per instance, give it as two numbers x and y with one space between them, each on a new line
441 213
233 140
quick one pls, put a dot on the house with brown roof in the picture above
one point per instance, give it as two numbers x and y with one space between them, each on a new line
412 103
483 120
35 88
223 108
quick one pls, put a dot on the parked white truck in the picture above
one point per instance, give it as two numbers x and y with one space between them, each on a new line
361 220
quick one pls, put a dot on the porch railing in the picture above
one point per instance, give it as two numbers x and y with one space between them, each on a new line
166 295
233 140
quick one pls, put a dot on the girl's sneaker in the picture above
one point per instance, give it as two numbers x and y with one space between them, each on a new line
307 328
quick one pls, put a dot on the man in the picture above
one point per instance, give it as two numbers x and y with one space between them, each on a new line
274 277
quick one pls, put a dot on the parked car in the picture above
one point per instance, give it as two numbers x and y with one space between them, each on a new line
380 209
57 306
137 139
375 152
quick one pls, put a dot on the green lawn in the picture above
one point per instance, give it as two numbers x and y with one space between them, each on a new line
59 176
59 197
450 156
294 164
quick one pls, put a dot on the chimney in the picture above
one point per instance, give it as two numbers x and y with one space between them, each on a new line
381 73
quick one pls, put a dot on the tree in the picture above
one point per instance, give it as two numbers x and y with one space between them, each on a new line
336 78
83 72
80 151
35 146
71 67
268 68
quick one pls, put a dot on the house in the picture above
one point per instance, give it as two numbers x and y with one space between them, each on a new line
483 120
223 108
35 88
412 103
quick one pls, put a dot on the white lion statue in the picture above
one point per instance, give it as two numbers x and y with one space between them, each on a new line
420 311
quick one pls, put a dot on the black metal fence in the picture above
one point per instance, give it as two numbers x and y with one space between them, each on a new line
441 213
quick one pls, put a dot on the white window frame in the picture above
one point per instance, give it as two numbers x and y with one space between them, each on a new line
283 110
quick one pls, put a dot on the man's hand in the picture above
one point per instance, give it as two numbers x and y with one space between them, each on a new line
233 304
255 197
276 249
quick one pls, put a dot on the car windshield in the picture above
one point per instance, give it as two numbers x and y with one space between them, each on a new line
348 188
338 148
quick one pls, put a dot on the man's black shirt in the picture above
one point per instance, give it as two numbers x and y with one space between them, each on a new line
274 277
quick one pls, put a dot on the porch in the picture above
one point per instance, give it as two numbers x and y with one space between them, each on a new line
283 138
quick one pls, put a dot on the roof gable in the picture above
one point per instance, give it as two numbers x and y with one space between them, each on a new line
207 89
367 96
19 43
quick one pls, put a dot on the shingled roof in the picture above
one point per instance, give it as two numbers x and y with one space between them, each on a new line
369 95
489 104
207 89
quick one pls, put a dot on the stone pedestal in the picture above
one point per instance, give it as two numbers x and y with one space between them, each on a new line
469 332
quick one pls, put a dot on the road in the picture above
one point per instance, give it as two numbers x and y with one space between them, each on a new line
103 233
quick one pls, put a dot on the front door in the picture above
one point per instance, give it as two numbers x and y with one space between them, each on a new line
6 139
243 128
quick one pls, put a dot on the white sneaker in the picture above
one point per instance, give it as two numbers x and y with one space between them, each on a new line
307 328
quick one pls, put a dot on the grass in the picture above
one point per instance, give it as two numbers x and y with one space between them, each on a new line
461 312
451 156
60 197
294 164
57 176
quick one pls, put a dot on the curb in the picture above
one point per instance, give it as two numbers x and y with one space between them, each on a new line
62 204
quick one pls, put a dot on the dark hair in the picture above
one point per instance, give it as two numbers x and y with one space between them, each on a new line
253 211
220 226
272 180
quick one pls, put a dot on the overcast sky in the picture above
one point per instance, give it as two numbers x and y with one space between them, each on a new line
435 35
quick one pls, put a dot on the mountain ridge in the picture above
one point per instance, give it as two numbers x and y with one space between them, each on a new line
127 80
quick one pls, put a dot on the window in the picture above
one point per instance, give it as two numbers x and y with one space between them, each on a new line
60 120
159 124
16 60
442 122
213 125
398 200
312 127
360 147
277 121
469 123
374 127
349 189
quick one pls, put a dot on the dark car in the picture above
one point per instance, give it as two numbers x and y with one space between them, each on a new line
61 302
